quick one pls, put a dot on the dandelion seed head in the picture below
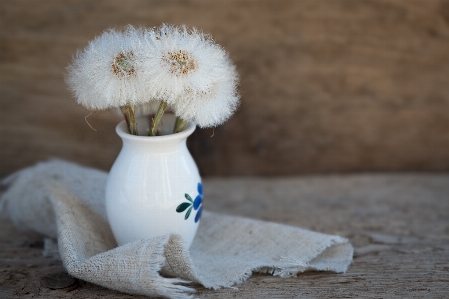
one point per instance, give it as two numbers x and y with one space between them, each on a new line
107 73
210 107
179 59
123 64
181 62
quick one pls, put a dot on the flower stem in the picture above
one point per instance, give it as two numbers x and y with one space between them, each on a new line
157 118
179 125
132 120
125 114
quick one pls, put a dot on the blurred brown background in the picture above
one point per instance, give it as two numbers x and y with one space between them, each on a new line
327 86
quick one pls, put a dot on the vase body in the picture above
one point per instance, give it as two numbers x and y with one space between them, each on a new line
154 187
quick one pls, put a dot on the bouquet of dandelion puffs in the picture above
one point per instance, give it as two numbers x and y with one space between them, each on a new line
148 71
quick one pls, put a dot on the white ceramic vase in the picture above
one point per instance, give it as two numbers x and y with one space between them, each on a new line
154 187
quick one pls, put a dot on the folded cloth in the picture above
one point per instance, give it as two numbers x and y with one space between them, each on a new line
66 201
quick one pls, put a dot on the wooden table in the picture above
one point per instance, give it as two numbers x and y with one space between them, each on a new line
398 224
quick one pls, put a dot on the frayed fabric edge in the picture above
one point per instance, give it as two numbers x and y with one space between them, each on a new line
293 266
166 287
231 284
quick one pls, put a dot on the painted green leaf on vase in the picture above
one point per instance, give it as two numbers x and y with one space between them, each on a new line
182 207
188 213
188 197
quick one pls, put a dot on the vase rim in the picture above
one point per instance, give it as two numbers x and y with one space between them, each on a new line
188 129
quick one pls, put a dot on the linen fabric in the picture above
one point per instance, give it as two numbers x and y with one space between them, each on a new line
65 201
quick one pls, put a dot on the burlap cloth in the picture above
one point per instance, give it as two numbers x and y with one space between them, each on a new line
66 201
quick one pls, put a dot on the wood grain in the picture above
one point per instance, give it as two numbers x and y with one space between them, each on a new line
397 224
327 86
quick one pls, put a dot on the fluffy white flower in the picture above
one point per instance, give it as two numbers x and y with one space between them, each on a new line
108 72
179 60
212 107
140 68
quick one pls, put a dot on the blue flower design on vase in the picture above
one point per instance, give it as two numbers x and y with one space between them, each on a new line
196 204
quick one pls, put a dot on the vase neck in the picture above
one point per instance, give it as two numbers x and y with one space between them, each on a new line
170 142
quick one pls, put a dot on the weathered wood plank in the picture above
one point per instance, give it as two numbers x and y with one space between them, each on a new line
398 224
328 86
